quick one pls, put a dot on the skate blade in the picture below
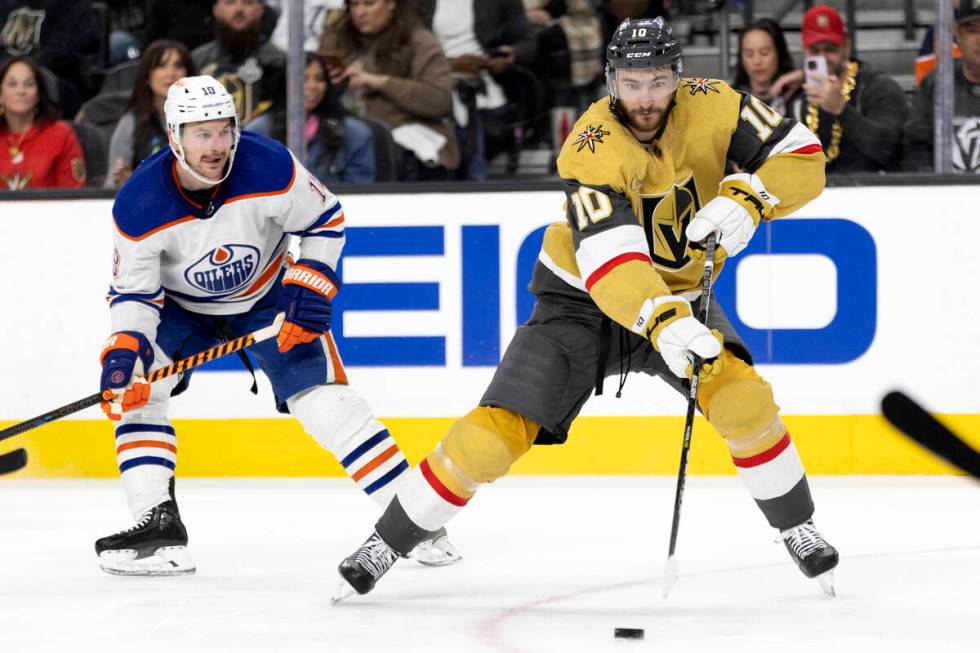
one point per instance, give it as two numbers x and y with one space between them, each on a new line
436 553
670 575
165 561
826 581
343 591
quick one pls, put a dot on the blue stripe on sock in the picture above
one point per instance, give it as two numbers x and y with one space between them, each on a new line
364 447
144 428
145 460
387 478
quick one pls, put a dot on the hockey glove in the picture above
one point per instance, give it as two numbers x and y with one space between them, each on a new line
741 203
307 290
677 334
125 359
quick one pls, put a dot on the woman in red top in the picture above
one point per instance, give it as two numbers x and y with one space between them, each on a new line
36 149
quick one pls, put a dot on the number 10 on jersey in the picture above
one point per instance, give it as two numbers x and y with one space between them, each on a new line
590 205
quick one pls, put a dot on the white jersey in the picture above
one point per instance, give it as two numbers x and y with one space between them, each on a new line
221 258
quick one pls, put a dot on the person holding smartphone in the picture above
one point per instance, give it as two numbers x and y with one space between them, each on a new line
858 112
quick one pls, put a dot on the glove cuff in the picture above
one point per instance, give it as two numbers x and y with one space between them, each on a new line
133 341
313 276
665 310
750 193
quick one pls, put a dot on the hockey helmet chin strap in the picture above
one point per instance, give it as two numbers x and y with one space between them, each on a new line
177 147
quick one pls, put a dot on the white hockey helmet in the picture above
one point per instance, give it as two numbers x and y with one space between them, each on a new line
199 99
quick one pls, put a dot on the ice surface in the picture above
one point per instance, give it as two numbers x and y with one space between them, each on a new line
550 565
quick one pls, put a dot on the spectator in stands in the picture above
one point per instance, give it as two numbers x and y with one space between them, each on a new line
570 50
40 150
62 36
339 147
484 40
192 21
253 71
764 61
395 72
857 112
925 61
919 136
142 131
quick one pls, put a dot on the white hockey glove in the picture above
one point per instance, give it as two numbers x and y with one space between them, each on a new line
677 334
742 201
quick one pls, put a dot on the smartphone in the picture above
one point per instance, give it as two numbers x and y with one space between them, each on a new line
814 66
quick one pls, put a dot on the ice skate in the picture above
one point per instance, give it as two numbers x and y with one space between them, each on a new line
362 569
812 554
155 546
437 552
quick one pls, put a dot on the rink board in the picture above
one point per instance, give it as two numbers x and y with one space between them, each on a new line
852 444
865 290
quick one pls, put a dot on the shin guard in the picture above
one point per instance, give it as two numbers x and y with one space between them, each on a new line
740 404
479 448
343 424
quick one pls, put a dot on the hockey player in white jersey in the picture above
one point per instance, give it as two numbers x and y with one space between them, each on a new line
202 231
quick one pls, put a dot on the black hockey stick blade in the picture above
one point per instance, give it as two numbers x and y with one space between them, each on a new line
12 461
913 420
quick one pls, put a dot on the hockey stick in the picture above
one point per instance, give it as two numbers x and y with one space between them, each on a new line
670 569
176 367
913 420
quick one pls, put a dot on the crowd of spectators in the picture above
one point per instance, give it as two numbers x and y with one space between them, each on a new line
417 90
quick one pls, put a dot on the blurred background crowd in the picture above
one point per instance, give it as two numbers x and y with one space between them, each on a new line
442 90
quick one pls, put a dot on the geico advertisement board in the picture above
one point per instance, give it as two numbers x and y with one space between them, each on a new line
863 290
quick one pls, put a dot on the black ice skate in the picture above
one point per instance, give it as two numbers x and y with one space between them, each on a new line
155 546
812 554
363 568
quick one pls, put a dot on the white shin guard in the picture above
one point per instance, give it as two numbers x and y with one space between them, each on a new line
340 420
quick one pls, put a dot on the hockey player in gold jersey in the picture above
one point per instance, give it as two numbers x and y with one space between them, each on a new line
644 176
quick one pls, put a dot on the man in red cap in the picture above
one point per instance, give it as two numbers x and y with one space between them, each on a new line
856 111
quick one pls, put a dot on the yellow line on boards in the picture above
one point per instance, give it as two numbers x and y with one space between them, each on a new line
828 444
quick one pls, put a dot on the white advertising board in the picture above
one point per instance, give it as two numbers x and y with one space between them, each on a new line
864 290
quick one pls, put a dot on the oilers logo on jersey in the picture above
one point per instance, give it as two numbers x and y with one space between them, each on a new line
224 269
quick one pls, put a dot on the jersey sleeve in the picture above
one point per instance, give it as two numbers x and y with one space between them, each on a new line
612 253
136 295
315 215
782 152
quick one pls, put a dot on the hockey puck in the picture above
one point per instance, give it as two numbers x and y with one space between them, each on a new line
628 633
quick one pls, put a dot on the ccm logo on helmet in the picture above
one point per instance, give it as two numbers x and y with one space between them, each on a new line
637 55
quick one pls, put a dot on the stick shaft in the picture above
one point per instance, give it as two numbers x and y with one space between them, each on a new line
176 367
692 398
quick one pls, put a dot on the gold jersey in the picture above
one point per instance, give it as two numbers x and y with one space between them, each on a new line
628 203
